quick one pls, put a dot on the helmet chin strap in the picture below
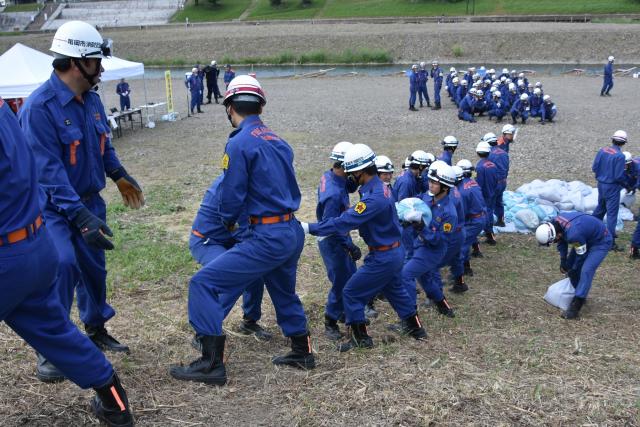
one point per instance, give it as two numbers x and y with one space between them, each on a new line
90 78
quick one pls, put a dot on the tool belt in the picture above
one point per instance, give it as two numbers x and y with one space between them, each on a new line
270 219
197 233
384 248
22 233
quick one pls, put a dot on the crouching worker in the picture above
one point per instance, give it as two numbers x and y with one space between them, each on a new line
590 242
29 301
258 180
376 219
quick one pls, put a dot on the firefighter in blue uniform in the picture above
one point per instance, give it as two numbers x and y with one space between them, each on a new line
452 257
449 145
498 107
193 83
29 303
500 158
507 138
377 222
413 87
123 90
229 75
633 171
548 110
66 126
338 251
520 109
437 76
423 77
461 91
487 176
474 213
258 180
465 107
609 167
209 239
432 240
607 83
536 103
589 242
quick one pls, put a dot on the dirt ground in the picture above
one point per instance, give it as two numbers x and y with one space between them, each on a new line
506 359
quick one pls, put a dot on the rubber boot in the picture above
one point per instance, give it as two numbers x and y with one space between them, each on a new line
500 222
428 103
444 308
209 368
476 251
468 271
111 405
437 106
634 252
413 327
104 341
490 239
359 338
46 372
459 286
251 327
573 311
300 356
331 329
412 108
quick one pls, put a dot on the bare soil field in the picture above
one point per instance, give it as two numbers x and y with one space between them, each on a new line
479 42
506 359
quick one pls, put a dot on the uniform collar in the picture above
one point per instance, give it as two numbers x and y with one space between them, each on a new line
61 90
370 185
249 121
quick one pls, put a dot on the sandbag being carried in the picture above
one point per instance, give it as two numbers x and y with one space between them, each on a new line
560 294
413 209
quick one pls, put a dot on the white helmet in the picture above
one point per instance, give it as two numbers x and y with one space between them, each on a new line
77 39
479 92
358 157
627 157
339 149
423 64
491 71
520 83
383 163
459 172
453 70
620 137
465 165
434 62
456 80
508 81
194 70
414 67
472 91
496 94
464 82
441 172
537 91
419 157
483 147
490 138
530 85
514 72
521 76
450 141
546 98
487 81
214 63
512 87
505 71
545 233
406 163
508 129
431 158
611 59
245 88
524 97
538 84
472 69
503 79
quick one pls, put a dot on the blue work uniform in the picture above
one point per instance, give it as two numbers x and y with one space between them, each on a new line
589 241
210 239
635 239
29 302
461 93
406 185
520 109
228 76
452 258
437 77
193 83
447 157
536 105
123 91
498 108
413 88
607 83
487 178
609 167
70 139
501 159
423 76
465 109
548 111
430 249
258 180
474 214
377 222
333 200
512 97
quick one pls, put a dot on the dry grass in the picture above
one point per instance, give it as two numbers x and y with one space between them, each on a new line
506 359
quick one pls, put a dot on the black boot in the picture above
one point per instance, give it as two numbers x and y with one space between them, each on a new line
500 222
437 106
428 103
634 252
370 310
468 271
111 405
476 251
46 372
331 329
574 309
251 327
103 340
490 239
413 327
209 368
444 308
301 354
459 286
358 338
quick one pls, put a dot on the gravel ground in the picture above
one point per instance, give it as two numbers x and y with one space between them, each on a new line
480 42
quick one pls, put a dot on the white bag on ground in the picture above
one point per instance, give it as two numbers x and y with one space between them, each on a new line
627 200
560 294
529 218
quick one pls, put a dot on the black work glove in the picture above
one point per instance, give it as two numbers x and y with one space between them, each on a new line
574 276
129 189
93 229
354 252
418 226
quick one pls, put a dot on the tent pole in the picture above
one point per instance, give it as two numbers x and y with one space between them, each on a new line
144 81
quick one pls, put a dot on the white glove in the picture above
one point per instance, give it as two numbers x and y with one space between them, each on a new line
305 227
413 216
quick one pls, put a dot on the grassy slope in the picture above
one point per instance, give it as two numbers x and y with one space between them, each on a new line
226 10
25 7
292 9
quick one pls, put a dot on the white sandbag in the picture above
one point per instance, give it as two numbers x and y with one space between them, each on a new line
553 193
591 201
509 227
567 206
539 201
627 200
560 294
580 186
625 214
577 200
528 218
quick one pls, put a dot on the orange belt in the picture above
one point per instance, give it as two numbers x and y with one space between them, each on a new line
197 233
480 215
384 247
270 219
23 233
